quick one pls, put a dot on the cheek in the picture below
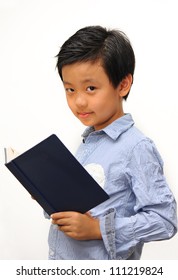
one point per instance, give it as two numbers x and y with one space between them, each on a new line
104 106
70 104
97 103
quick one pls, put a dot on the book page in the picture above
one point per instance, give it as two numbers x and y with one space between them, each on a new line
10 154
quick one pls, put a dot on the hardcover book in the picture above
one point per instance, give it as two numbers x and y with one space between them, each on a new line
54 177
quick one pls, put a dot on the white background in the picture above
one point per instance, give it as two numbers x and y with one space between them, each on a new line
33 106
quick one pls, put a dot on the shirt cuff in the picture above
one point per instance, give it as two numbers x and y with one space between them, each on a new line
107 227
118 235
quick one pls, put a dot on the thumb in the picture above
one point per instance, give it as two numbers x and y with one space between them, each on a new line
88 214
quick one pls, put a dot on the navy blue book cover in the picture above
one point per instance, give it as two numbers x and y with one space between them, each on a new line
53 176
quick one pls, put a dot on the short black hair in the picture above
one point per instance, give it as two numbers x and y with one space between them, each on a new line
94 43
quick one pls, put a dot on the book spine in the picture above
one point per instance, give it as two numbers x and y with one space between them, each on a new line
30 187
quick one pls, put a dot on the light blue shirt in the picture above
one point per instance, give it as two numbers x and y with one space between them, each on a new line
141 207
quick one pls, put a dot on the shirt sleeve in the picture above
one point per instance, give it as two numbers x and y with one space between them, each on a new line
46 215
154 216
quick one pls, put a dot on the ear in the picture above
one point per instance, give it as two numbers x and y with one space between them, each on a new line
125 85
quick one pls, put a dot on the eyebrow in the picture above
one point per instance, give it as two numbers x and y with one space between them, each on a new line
83 82
68 83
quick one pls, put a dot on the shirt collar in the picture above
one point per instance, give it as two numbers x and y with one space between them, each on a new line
115 129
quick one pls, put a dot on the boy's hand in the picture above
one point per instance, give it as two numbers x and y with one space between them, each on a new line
76 225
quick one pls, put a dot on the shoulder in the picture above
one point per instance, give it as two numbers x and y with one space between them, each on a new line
144 151
140 147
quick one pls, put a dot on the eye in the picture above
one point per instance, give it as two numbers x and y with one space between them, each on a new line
91 88
69 90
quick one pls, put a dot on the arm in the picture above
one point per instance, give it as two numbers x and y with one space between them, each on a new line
154 207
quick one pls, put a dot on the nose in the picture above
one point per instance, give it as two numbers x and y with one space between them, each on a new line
81 100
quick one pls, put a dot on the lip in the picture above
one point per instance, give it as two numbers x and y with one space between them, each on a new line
84 115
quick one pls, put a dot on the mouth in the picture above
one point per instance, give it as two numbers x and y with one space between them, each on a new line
84 115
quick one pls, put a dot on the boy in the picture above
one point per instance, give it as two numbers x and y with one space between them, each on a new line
96 67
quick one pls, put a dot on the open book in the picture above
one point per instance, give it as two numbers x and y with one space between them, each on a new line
53 176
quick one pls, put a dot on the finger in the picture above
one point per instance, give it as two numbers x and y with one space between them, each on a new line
65 229
56 216
61 215
61 222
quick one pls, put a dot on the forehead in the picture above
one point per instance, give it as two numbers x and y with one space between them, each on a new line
83 71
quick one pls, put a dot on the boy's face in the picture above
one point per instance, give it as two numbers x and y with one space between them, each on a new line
90 94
